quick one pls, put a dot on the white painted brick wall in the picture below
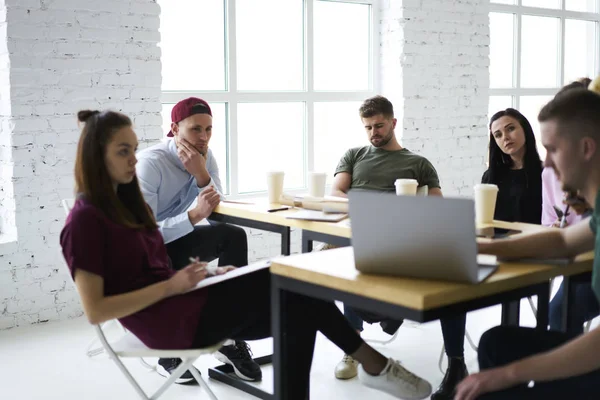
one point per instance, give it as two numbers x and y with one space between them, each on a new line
57 57
435 69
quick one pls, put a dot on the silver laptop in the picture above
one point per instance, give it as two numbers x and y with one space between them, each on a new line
415 236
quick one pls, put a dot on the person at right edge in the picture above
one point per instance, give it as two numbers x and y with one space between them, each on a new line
525 363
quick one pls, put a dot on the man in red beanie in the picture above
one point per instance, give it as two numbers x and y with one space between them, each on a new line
172 175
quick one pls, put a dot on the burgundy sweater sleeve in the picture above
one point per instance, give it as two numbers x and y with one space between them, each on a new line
83 241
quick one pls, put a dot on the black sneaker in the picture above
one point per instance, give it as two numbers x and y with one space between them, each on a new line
239 356
166 366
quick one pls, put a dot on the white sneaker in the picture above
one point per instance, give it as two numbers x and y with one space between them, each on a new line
347 368
396 381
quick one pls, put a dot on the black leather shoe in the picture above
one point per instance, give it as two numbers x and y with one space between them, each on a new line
456 372
390 326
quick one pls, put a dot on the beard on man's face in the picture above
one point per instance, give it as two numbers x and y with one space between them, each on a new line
380 141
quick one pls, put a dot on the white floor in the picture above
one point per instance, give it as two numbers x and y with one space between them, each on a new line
48 361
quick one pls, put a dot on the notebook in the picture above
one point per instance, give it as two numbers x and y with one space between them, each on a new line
212 280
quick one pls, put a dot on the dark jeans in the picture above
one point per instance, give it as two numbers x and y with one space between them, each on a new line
505 344
353 318
453 330
247 316
586 307
226 242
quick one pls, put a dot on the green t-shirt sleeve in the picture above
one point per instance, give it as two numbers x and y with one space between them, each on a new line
429 175
346 164
593 223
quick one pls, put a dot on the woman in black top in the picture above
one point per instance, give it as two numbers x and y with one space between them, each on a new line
515 167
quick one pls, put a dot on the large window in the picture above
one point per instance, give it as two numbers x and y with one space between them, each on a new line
536 47
284 78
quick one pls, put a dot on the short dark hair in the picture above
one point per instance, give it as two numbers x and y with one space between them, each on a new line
581 83
577 109
375 106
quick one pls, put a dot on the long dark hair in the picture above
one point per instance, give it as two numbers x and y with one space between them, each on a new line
126 206
501 163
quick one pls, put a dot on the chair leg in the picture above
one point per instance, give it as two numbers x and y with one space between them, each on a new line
441 361
383 342
184 366
130 378
533 307
471 343
203 383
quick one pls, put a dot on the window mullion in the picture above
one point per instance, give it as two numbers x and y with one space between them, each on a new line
232 106
517 44
309 128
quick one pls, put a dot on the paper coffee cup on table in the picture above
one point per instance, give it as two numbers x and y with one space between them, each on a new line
485 203
316 184
406 187
275 185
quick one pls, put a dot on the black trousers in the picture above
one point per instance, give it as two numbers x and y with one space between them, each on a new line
226 242
505 344
240 309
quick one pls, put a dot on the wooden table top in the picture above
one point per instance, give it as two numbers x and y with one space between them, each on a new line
257 211
335 269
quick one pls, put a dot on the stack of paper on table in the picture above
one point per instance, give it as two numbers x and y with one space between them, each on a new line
329 204
313 215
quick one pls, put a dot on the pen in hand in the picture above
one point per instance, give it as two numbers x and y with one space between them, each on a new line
211 270
563 220
196 260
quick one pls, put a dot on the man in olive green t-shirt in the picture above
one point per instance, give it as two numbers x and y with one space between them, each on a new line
560 365
376 167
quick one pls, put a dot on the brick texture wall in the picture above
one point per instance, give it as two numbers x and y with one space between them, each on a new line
435 68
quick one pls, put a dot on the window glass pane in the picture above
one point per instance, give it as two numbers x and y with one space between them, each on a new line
539 58
218 140
337 129
501 49
580 49
581 5
530 107
192 45
342 51
542 3
270 40
270 137
499 103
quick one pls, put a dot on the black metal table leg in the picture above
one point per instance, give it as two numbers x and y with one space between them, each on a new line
225 374
307 243
280 358
543 298
286 241
511 312
568 322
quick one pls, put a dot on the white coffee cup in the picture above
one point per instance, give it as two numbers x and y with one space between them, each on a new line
275 186
316 184
485 203
406 187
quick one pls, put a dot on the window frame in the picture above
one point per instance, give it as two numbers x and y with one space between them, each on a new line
232 97
516 92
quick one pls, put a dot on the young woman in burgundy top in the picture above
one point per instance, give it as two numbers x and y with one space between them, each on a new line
120 266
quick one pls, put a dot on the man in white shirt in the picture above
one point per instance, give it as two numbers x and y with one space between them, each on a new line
172 175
